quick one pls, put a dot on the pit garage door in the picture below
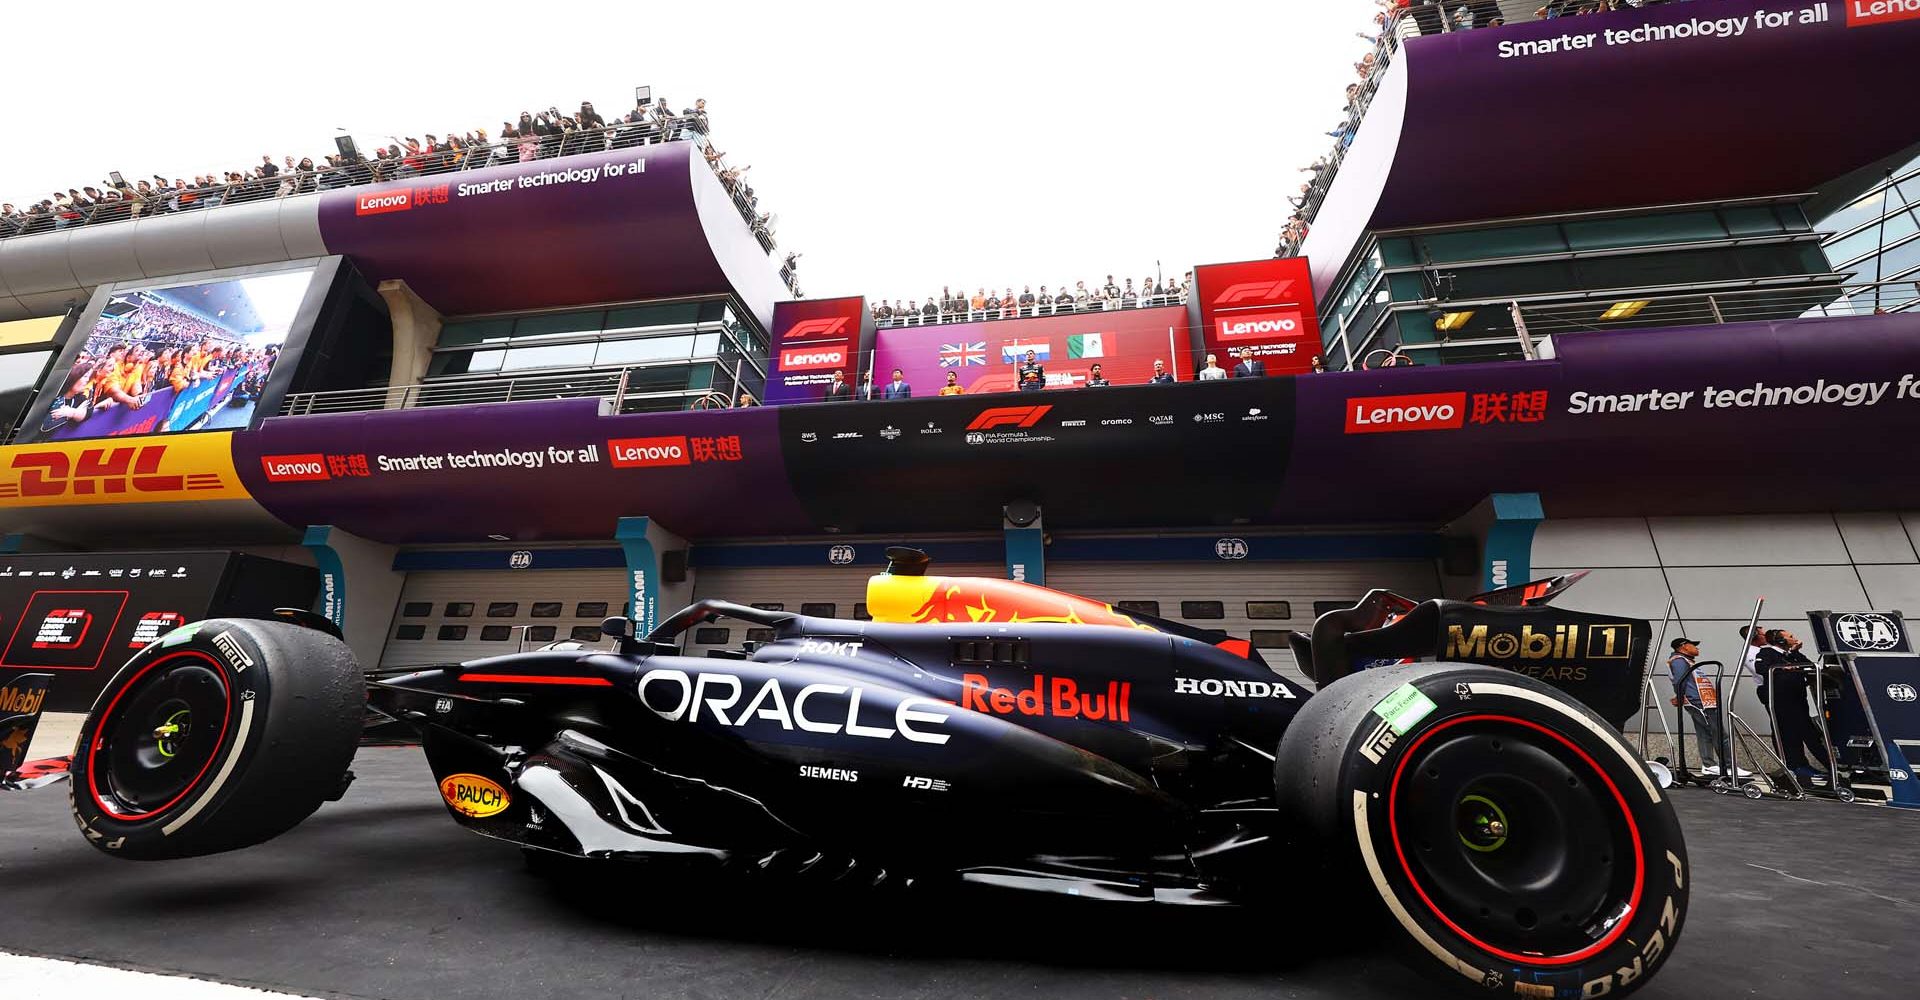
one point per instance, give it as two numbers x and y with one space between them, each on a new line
825 591
447 616
1261 601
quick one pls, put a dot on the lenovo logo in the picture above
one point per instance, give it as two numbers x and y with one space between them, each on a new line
1008 416
639 453
1254 291
1433 411
1270 324
376 202
816 328
1861 13
801 359
295 468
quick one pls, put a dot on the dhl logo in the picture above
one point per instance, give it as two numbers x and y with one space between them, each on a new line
196 467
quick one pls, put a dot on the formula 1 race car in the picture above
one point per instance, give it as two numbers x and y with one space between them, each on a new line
985 731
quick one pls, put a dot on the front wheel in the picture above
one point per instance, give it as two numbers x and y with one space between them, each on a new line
1510 834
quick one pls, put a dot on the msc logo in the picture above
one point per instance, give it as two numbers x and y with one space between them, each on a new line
1253 291
1603 642
474 796
100 471
378 202
1902 692
816 328
802 359
1867 631
1008 416
294 468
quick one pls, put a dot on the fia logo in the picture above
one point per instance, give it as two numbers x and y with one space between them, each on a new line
1902 692
1866 631
840 555
443 705
520 560
1230 548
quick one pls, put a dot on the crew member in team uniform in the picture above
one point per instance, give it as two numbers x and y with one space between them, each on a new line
1032 376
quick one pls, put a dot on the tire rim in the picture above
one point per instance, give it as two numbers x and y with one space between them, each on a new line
1516 839
159 735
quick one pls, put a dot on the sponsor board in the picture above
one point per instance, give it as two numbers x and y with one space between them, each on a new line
294 468
1278 324
474 796
648 452
800 359
381 202
64 473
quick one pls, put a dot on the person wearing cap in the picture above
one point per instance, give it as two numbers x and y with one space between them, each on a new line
1702 699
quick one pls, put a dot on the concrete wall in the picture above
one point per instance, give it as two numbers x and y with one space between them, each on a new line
1715 568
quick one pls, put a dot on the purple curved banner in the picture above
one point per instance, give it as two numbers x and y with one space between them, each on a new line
624 225
528 471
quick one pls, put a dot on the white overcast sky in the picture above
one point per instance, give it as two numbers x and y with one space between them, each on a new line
904 146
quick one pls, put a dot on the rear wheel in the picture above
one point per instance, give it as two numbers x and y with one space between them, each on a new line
1509 832
222 734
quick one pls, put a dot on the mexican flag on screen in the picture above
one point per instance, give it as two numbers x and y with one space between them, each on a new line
1086 345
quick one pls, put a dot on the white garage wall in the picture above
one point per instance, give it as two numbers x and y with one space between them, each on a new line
1715 568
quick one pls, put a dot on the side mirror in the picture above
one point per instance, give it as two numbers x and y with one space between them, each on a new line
617 628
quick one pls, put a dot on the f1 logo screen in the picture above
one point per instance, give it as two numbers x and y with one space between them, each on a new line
1253 291
65 629
1008 416
812 329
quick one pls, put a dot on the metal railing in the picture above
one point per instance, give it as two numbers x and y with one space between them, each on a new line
967 314
407 165
624 387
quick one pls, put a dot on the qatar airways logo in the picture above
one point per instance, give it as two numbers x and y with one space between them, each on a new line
1861 13
1254 291
294 468
1266 324
813 329
377 202
640 453
1433 411
801 359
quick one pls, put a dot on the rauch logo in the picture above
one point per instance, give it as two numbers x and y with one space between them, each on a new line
376 202
801 359
1254 291
295 468
816 328
1008 416
1861 13
1433 411
636 453
1270 324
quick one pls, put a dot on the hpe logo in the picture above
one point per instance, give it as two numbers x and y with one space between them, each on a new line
1254 291
816 328
1004 416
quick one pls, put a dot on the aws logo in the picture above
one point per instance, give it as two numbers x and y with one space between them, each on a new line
474 796
1008 416
100 475
1254 291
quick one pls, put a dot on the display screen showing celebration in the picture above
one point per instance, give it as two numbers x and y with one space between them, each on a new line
177 358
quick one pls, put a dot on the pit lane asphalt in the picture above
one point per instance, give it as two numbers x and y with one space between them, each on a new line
381 895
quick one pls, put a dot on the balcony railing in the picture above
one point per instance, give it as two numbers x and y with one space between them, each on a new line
625 388
362 171
968 314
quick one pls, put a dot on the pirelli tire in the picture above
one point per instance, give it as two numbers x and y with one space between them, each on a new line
222 734
1513 839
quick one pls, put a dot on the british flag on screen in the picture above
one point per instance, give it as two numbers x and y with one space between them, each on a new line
956 355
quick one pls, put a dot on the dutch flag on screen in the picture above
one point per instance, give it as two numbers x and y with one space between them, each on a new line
1015 351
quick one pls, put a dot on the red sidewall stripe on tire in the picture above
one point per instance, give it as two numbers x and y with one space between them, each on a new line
93 788
1639 855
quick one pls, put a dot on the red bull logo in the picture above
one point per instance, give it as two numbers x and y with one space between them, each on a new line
1052 697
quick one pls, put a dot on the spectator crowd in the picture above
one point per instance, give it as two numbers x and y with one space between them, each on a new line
954 305
1427 17
531 136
